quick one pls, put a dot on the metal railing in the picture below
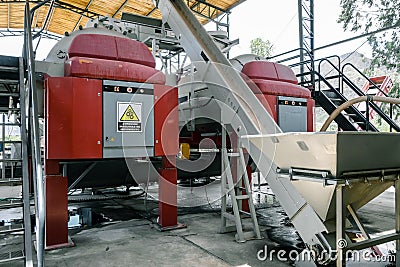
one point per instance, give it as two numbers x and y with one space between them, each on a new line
345 80
33 130
374 86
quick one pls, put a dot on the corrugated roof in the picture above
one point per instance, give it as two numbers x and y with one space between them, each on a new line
67 15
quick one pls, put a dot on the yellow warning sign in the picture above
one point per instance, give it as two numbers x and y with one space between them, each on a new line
129 115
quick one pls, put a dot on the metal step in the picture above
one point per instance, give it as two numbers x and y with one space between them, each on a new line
9 81
229 216
336 100
9 142
8 68
11 160
6 109
12 256
11 228
7 181
242 197
13 203
332 77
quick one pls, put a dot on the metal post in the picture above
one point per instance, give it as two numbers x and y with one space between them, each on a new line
167 190
397 213
25 170
306 36
367 114
36 157
391 115
340 227
3 137
224 193
301 37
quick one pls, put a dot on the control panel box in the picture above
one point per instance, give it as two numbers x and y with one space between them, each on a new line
128 119
292 114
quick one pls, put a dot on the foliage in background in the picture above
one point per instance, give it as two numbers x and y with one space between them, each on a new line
261 48
370 15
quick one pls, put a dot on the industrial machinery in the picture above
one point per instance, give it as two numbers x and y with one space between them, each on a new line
109 108
112 119
342 179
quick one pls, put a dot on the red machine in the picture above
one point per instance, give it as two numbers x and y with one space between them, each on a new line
289 104
111 106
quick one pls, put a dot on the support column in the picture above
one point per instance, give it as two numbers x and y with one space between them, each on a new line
245 204
340 227
167 191
56 207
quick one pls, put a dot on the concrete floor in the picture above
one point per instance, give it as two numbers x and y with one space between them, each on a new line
129 236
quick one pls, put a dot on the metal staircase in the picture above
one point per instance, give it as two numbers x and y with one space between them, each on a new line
14 167
329 94
18 100
328 89
377 86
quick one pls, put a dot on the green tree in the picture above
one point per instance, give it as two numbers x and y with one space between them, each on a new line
260 47
370 15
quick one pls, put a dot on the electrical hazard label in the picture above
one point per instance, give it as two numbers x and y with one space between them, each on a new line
129 117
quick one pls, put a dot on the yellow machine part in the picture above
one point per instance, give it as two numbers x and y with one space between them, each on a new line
185 150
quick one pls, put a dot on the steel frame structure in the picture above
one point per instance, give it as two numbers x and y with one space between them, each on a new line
201 8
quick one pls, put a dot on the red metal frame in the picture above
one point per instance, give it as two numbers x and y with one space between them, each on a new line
74 122
166 120
167 193
56 212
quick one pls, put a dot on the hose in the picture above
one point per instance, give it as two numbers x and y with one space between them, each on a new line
353 101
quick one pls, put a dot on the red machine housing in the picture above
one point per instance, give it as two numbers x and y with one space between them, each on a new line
74 120
269 80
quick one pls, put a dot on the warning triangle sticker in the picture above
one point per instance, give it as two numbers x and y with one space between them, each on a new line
129 115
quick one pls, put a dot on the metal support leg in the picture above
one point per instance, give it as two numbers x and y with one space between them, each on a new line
340 227
167 191
25 173
358 222
240 237
57 212
224 193
245 202
397 213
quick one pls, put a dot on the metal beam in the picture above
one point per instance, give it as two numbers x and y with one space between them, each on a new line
358 36
5 33
78 10
151 11
46 21
120 8
204 2
80 18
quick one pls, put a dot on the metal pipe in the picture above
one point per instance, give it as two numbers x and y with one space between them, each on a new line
36 162
340 227
25 171
44 26
357 37
3 134
353 101
80 18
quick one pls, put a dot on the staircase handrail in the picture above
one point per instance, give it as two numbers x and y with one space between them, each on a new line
34 139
